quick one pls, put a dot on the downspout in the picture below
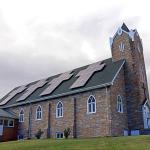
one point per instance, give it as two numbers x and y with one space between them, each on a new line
74 121
49 124
30 122
108 109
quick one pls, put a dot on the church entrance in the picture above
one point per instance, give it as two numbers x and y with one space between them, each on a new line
146 115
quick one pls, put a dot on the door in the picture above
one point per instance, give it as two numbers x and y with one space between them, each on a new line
146 116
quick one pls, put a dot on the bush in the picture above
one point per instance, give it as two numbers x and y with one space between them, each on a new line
38 134
67 133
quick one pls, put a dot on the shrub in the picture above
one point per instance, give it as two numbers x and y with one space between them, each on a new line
38 134
67 133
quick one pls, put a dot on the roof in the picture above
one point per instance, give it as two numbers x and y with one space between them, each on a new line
99 79
124 27
6 114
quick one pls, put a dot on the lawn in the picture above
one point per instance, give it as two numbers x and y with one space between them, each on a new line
107 143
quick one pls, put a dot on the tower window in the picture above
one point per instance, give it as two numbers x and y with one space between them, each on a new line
119 104
121 47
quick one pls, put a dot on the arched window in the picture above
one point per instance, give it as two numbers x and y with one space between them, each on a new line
119 104
59 110
91 104
39 113
121 47
21 116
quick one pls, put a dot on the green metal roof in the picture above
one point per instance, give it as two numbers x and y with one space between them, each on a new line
6 114
99 79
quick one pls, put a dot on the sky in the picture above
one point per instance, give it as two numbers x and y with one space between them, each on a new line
41 38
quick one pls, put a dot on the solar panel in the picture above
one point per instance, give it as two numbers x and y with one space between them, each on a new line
86 74
53 84
31 89
13 94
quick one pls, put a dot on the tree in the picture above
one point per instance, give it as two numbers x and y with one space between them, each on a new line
67 132
38 134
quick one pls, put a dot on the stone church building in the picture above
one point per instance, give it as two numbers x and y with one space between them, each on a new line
106 98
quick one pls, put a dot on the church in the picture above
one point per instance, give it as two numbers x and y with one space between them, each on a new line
107 98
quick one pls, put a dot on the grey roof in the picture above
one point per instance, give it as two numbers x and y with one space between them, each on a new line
99 79
124 27
6 114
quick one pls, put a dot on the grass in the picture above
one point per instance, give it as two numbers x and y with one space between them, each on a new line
106 143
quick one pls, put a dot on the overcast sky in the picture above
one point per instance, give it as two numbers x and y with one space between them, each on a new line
40 38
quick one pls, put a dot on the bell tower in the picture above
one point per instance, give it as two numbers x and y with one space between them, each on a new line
126 44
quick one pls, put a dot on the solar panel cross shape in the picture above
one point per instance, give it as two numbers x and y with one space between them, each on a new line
53 84
13 94
86 74
32 88
83 75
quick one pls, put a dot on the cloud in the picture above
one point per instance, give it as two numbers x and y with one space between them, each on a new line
39 48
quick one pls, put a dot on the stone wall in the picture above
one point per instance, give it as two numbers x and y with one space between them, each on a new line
87 125
119 119
96 124
105 122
